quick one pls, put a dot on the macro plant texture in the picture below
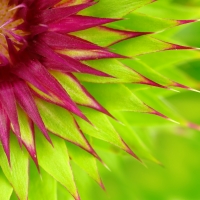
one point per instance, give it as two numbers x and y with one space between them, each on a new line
74 73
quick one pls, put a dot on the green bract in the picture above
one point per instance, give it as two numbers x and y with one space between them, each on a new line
84 72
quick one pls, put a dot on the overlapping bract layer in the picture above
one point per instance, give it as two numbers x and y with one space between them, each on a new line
40 84
27 71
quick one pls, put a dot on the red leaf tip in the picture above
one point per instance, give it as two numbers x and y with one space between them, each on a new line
182 22
154 112
129 151
175 84
77 197
179 47
102 185
147 81
193 126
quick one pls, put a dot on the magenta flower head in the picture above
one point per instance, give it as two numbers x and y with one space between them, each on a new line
48 49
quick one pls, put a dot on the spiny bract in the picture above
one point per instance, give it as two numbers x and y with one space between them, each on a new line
48 49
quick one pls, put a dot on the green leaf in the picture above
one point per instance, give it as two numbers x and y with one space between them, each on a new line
141 22
6 189
74 89
42 185
102 129
85 161
168 59
167 9
55 161
157 101
113 9
17 173
27 133
120 72
60 122
117 97
62 193
178 76
108 36
148 71
162 77
131 137
140 45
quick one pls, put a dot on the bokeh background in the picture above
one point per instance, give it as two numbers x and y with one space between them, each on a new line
177 148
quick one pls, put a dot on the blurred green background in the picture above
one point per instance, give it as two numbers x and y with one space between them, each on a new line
177 148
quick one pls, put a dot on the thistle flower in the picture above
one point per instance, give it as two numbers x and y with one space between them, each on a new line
48 49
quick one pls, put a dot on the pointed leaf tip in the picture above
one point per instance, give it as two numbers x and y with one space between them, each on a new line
28 134
175 84
93 152
193 126
180 47
147 81
55 161
102 185
78 198
182 22
124 34
155 112
129 151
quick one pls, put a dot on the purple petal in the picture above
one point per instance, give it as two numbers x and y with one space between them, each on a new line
39 72
26 101
5 132
60 41
8 102
53 14
44 4
77 23
64 62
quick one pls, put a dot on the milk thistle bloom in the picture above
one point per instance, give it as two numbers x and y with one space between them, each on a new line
47 49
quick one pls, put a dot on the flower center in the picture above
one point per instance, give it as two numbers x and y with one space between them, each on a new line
8 27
